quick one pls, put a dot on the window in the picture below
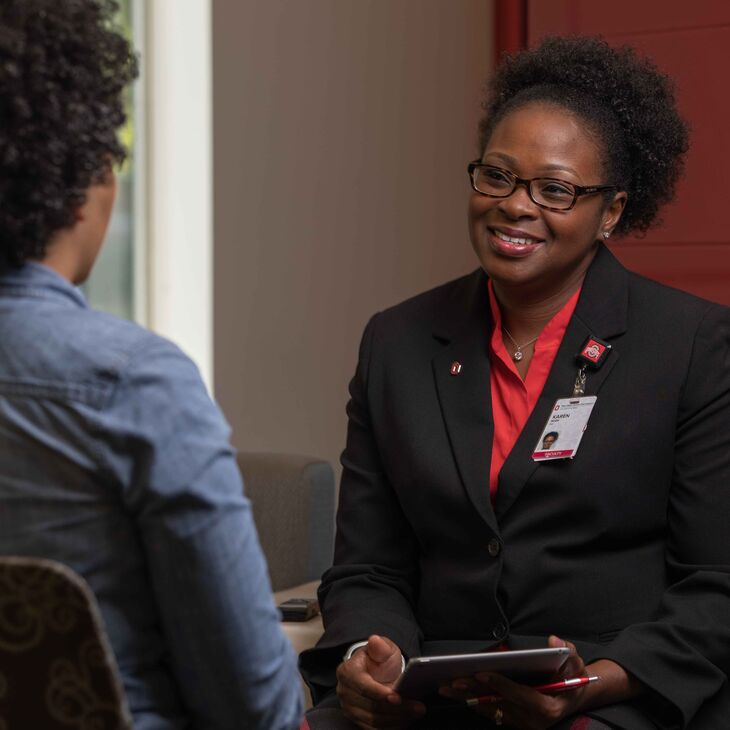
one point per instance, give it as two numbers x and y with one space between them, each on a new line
165 188
118 281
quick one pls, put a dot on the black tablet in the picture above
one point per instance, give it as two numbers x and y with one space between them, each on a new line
424 675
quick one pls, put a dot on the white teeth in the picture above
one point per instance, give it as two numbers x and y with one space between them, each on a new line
509 239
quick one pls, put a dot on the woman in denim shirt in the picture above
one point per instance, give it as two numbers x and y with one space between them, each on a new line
113 459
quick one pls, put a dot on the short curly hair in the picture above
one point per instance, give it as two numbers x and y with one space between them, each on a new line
63 70
627 103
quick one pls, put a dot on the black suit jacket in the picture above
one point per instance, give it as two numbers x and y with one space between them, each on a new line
624 549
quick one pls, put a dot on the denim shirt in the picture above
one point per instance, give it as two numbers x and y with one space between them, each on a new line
114 461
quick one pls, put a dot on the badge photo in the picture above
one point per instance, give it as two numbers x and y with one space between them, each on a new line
564 429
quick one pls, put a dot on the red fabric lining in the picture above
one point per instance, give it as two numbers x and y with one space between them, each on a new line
581 723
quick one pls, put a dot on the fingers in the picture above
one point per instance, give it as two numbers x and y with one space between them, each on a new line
365 698
465 688
382 659
557 642
574 666
380 649
494 707
504 688
517 705
353 675
524 706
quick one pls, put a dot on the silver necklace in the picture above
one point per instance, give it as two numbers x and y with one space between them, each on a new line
517 355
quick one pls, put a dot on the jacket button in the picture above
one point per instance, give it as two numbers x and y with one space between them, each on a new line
499 631
493 547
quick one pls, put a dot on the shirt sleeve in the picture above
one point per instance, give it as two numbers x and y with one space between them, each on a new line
234 666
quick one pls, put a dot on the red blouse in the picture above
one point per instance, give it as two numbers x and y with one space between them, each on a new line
513 398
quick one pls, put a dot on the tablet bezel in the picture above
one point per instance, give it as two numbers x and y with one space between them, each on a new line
424 675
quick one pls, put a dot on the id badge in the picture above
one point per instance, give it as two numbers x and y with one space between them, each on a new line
564 428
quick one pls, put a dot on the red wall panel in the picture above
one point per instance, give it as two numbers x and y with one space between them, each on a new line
622 16
510 26
691 42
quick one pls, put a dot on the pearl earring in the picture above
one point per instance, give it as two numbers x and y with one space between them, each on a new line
606 234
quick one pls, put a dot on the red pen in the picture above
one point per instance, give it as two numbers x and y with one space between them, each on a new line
564 685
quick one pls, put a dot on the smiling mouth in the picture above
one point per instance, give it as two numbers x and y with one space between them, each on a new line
514 240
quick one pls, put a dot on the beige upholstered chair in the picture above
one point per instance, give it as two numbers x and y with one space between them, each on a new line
293 500
57 670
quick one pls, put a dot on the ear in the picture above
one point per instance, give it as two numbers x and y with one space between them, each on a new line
612 214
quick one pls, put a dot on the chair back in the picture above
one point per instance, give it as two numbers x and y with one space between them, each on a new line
293 499
57 670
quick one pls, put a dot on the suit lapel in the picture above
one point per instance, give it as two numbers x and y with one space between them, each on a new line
465 398
601 311
466 403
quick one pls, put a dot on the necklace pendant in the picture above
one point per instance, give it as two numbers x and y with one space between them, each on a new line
517 355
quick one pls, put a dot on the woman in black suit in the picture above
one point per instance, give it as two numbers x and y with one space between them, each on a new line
455 532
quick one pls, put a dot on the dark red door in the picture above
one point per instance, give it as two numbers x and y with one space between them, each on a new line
691 42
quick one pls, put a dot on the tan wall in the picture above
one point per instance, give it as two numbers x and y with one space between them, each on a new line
342 130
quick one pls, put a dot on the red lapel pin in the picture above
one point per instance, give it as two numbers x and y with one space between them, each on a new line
455 368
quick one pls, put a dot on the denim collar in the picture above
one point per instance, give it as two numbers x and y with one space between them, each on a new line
40 282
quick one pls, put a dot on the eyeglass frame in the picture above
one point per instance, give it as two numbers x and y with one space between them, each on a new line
580 190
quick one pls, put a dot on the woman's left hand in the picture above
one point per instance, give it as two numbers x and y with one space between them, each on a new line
518 705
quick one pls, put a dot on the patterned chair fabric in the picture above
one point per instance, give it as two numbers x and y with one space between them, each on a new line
57 670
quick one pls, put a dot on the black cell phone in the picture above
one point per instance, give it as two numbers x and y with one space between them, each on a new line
298 609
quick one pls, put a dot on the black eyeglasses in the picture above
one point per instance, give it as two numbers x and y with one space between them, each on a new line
547 192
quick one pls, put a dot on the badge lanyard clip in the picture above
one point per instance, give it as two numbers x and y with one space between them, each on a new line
568 420
579 388
592 355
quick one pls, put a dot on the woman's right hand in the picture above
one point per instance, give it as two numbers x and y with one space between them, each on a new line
365 687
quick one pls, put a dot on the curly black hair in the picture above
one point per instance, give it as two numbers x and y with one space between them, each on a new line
626 102
63 70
